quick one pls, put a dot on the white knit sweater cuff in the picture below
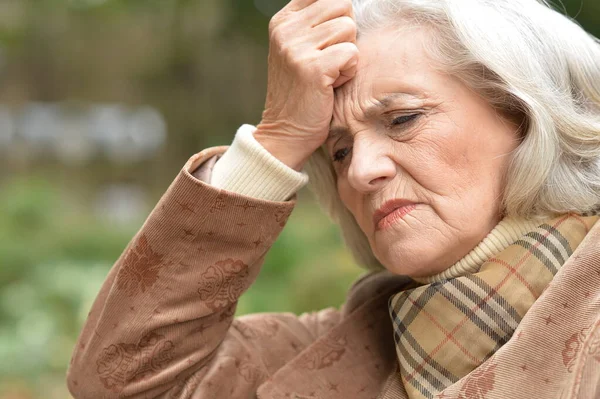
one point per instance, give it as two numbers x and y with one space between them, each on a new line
247 168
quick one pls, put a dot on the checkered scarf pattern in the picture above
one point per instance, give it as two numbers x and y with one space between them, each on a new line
445 330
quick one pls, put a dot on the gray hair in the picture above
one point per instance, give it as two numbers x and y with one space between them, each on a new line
525 59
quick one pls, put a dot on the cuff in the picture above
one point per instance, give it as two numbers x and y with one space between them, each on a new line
247 168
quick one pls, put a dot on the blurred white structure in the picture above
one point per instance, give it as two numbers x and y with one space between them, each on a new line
77 135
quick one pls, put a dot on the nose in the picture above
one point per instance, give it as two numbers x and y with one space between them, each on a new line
371 166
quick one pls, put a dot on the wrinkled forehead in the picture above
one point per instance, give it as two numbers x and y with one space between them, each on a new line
391 61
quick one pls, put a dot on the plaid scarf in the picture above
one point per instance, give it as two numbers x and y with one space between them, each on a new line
445 330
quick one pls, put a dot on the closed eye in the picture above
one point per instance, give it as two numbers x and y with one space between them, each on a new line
339 155
404 119
342 153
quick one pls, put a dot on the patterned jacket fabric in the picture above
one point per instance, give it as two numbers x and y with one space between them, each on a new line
163 325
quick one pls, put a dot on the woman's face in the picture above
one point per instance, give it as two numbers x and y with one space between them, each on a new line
403 130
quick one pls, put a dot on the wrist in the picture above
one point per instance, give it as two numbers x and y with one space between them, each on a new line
247 168
282 149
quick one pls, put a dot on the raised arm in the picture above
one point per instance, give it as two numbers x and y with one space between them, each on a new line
161 325
168 302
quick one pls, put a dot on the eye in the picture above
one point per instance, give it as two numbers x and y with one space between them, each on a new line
341 154
404 119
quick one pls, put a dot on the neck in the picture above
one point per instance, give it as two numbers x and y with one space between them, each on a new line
501 237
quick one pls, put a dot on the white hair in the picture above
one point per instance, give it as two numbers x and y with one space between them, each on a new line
526 60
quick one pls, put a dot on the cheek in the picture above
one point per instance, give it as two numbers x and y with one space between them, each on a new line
461 163
436 159
343 189
351 199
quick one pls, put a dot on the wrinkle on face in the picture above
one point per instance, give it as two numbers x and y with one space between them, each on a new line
449 160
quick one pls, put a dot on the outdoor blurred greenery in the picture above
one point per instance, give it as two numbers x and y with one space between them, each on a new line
69 204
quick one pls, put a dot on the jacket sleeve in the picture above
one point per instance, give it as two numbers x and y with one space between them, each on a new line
247 168
162 324
587 370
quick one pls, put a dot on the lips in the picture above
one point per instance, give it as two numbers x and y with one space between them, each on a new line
389 207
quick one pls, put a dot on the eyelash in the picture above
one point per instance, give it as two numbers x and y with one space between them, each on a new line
401 120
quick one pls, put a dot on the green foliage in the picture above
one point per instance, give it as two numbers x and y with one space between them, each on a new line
53 259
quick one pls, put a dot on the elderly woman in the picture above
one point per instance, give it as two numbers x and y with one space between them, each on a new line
456 143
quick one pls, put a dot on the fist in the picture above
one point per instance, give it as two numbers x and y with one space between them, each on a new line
312 51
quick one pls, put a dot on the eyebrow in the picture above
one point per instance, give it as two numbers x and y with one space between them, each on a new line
335 131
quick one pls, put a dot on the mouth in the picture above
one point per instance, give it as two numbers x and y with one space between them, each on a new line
391 211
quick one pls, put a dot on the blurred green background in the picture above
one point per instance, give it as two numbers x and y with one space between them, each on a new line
101 104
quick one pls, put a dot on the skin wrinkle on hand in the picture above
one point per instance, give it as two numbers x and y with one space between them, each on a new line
451 159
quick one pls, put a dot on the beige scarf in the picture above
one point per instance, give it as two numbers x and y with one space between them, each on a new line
445 330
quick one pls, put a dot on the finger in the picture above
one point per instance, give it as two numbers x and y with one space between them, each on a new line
345 76
339 30
297 5
342 62
325 10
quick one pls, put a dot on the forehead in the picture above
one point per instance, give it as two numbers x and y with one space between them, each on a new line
393 65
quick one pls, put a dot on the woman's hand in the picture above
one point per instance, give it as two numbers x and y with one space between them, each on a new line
312 51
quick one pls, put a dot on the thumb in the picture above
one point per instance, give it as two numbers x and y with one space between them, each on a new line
345 76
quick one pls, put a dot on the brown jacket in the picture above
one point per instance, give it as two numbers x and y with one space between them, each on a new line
163 323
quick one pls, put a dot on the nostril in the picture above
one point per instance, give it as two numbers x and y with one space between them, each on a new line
377 180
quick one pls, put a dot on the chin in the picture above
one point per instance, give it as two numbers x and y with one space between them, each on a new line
411 260
414 247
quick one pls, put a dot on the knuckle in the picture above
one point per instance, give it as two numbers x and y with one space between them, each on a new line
348 48
351 51
352 48
272 25
347 24
279 39
348 4
275 42
281 33
274 31
274 22
344 6
277 20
